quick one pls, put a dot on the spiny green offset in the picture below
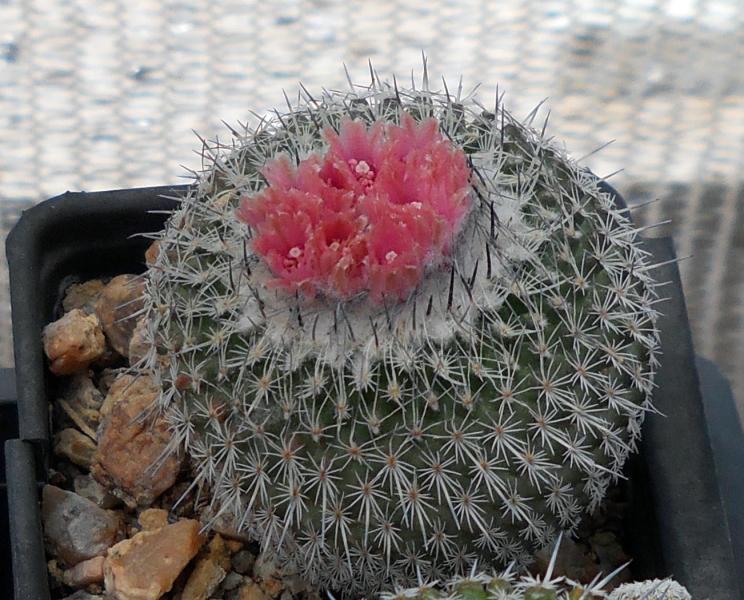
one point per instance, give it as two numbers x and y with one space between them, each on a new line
508 585
371 420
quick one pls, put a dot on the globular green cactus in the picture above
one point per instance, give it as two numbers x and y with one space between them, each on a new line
398 333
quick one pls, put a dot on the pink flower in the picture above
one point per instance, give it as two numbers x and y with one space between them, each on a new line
370 215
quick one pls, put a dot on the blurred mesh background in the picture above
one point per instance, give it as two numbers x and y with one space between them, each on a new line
100 94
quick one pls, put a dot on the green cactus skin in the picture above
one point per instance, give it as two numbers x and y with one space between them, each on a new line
471 422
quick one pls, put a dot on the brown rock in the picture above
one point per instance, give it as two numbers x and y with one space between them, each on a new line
73 342
81 403
75 447
153 518
83 295
272 587
83 595
252 591
125 386
138 345
106 379
130 443
84 573
55 570
145 566
152 252
203 581
219 552
75 528
117 306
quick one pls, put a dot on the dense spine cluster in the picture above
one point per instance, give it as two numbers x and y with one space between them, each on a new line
508 585
369 442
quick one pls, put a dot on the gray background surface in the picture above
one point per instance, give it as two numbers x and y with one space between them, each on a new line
101 94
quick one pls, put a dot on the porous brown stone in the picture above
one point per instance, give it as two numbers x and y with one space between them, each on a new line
252 591
208 572
73 342
219 551
75 447
145 566
117 307
233 545
152 252
272 587
138 345
80 402
83 295
203 581
84 573
75 528
153 518
131 442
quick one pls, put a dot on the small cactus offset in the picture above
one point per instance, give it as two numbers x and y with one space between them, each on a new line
503 586
653 589
398 333
506 585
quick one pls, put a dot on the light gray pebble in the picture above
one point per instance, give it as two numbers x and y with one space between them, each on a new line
89 488
74 527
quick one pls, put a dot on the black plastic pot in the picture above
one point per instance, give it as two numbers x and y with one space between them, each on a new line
8 430
676 518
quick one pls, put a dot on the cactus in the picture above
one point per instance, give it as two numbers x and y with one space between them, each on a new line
398 333
502 586
654 589
506 585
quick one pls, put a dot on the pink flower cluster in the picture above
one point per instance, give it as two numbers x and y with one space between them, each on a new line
371 214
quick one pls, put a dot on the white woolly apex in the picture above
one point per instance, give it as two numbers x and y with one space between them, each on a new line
479 274
336 332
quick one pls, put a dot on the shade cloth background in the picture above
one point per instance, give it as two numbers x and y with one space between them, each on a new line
101 94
